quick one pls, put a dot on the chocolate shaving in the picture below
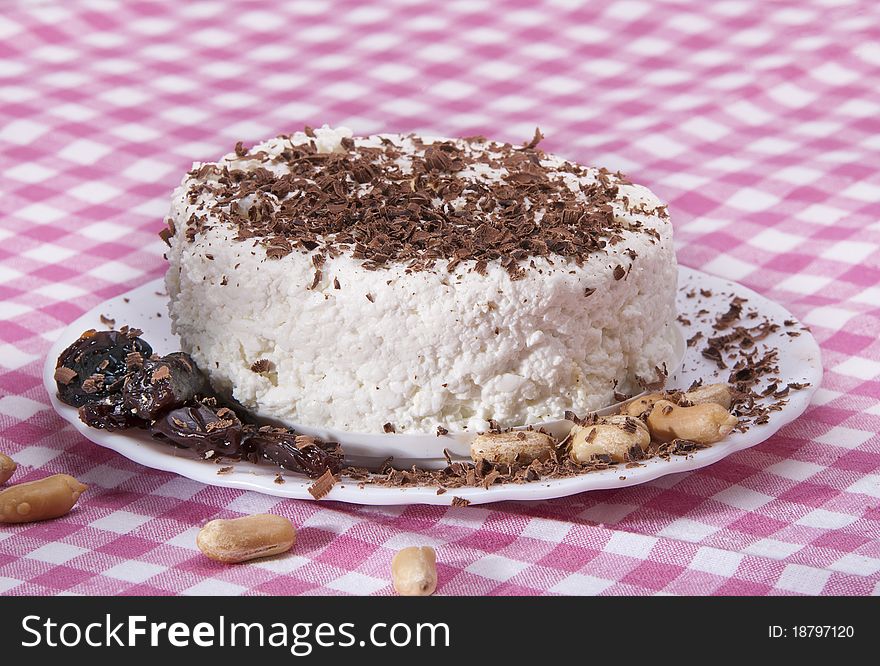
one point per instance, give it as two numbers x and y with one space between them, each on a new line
302 441
361 202
323 485
168 232
134 360
535 140
316 280
160 373
64 375
714 354
733 314
262 365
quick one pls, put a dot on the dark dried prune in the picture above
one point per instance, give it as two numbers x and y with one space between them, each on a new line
112 378
296 452
110 414
94 366
203 428
164 384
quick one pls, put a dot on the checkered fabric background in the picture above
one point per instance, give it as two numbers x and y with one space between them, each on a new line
758 121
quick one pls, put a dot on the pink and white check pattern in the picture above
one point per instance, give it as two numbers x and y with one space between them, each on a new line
757 121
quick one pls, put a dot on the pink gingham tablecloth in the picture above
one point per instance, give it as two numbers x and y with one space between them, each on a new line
758 121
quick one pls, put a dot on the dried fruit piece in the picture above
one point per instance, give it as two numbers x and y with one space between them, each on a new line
164 384
290 451
205 430
110 414
172 397
94 366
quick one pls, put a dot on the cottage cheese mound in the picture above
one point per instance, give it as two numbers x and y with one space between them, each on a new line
348 343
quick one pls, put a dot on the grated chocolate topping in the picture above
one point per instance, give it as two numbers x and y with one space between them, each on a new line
401 199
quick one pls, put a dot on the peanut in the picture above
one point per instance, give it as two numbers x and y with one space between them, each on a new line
47 498
720 394
414 571
613 436
247 538
7 468
641 405
706 423
521 446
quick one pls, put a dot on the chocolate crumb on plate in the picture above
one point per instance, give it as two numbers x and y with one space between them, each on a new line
323 485
460 501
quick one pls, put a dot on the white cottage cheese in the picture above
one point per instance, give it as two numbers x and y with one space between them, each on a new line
426 348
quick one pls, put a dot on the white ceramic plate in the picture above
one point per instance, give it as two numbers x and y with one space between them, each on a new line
145 308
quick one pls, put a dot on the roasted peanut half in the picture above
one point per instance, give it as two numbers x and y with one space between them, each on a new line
414 571
521 446
613 436
7 468
247 538
47 498
720 394
706 423
641 405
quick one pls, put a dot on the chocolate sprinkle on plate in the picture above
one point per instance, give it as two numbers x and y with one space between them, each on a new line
323 485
